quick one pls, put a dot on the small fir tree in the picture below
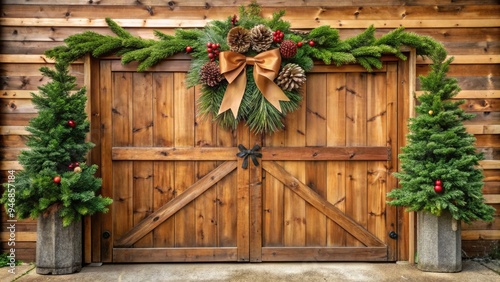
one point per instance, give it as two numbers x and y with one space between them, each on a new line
440 163
55 177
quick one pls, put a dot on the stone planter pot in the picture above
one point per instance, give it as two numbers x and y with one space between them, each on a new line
58 248
439 243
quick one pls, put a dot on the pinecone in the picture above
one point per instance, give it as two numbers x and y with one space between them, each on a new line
288 49
238 39
210 74
262 37
291 77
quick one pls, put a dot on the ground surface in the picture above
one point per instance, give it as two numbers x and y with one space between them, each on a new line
482 271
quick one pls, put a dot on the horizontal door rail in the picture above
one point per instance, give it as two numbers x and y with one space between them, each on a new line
326 154
195 254
268 153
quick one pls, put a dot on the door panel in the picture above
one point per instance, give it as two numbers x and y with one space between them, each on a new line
172 184
181 194
330 206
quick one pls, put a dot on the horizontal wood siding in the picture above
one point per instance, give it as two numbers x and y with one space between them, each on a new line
469 29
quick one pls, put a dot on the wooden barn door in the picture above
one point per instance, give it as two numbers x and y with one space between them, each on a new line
172 176
326 176
180 192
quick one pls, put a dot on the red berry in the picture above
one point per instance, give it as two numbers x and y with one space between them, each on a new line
311 43
299 44
189 49
209 44
71 166
211 55
209 50
217 52
439 182
438 189
77 164
57 179
217 46
71 123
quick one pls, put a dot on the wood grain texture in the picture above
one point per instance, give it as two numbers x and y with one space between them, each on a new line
173 206
306 193
145 255
325 254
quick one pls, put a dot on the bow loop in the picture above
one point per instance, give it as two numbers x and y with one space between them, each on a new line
252 153
266 67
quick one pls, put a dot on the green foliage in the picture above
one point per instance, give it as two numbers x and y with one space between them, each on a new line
54 145
5 261
440 148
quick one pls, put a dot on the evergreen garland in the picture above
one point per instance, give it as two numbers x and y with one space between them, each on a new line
363 49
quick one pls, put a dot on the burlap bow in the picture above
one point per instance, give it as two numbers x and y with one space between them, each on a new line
266 67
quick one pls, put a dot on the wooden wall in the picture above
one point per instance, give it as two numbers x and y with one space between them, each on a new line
469 29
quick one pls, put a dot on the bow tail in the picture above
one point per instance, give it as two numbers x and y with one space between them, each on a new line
234 94
271 91
275 95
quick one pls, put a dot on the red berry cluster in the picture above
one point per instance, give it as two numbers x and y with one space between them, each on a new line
438 186
72 166
234 20
300 43
278 36
213 50
71 123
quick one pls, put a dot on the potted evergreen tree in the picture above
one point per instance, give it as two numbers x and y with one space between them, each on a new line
440 176
56 186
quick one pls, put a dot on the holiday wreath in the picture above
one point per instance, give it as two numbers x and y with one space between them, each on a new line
250 68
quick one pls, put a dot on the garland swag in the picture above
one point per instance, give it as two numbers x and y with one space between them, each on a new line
249 35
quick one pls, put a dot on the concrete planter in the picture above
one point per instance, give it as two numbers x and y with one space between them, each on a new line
58 248
439 243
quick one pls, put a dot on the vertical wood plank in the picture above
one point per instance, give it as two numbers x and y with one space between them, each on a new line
295 206
336 136
164 172
206 205
316 119
356 198
406 100
243 200
392 141
412 69
227 196
273 199
255 186
87 220
106 107
377 136
95 157
185 219
142 129
122 136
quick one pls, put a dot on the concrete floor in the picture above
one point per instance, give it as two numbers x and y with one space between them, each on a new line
257 272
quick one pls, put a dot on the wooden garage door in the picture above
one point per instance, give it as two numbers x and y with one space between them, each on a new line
327 174
180 192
